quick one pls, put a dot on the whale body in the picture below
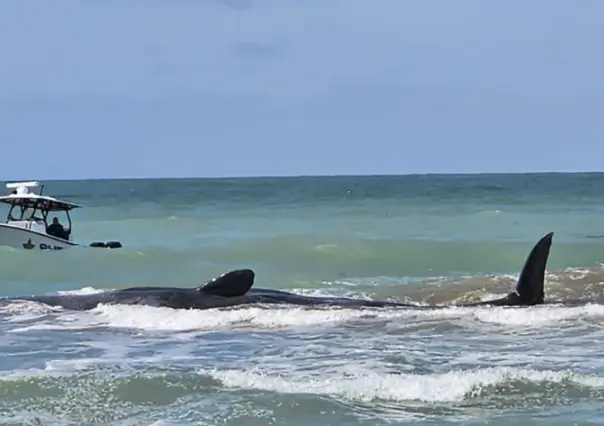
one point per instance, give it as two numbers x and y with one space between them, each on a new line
234 288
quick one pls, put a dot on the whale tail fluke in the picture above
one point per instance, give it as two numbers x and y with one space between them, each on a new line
529 289
530 286
230 284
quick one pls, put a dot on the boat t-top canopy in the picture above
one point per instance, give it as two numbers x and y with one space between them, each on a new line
21 196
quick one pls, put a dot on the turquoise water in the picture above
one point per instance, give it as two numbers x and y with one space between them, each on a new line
425 238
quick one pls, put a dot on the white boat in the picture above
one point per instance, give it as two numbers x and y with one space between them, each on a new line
29 225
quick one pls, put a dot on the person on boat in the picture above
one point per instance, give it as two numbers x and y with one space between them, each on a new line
56 229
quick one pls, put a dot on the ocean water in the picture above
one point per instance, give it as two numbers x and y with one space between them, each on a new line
438 239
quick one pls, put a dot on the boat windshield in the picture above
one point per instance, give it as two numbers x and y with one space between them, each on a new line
21 212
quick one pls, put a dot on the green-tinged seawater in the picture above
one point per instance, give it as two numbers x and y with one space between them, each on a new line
424 238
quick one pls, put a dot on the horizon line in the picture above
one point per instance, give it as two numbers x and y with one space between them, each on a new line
294 176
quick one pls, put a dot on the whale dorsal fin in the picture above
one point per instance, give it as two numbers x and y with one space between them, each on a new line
230 284
529 288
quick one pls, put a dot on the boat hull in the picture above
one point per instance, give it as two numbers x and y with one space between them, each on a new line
21 238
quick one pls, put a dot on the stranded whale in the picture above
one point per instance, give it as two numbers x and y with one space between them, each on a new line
234 288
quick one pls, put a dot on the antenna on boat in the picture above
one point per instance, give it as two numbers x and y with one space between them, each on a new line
22 187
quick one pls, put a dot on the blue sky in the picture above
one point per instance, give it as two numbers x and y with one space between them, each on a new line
140 88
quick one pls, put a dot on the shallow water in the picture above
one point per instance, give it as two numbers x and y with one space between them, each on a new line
434 239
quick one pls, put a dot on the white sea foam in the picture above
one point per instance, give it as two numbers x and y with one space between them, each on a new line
350 381
453 386
149 318
83 290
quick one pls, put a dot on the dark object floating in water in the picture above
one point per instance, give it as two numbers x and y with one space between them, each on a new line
108 244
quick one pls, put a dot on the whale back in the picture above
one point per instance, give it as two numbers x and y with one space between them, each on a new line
230 284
